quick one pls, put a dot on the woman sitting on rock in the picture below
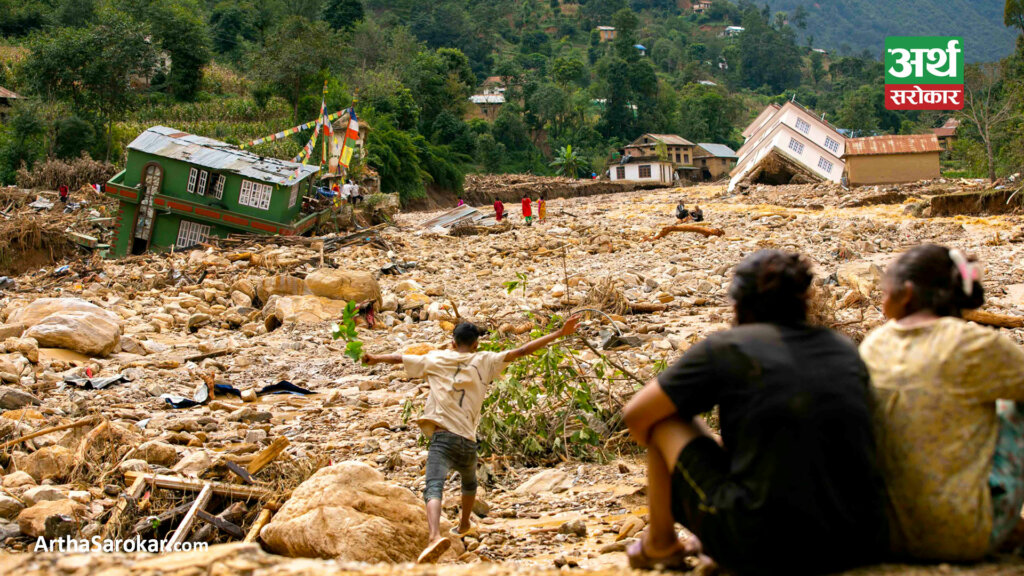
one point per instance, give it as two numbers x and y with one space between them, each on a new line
951 442
795 464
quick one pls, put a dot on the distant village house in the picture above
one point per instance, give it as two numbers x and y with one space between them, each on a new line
7 99
892 159
607 33
947 133
713 161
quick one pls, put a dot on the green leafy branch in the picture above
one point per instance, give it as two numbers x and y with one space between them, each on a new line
346 330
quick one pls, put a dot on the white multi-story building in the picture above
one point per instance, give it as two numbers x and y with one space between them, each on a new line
787 142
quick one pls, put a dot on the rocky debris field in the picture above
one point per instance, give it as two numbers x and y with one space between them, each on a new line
95 359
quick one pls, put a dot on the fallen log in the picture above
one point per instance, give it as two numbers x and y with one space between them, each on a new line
180 483
88 420
993 319
703 230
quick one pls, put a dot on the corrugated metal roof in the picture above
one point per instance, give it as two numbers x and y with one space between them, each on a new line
487 99
669 139
5 93
718 150
893 144
209 153
944 131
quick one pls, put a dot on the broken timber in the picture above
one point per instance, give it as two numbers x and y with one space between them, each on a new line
219 488
190 517
83 422
221 522
993 319
262 520
267 455
134 491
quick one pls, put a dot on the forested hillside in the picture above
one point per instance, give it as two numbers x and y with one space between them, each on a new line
94 73
854 25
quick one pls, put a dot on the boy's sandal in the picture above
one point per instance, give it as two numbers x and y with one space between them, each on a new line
433 553
471 531
679 561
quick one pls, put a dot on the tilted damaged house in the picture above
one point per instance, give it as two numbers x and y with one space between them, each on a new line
178 189
788 144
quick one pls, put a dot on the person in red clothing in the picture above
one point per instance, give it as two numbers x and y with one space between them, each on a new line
527 212
63 191
499 210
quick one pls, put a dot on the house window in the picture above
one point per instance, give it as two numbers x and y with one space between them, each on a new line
193 174
294 197
678 158
191 233
255 194
802 125
825 165
686 158
620 172
645 171
796 145
832 145
204 177
218 188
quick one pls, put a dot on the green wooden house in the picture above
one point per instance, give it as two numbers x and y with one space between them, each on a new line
178 189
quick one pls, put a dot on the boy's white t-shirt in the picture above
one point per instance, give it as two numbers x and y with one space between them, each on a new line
458 385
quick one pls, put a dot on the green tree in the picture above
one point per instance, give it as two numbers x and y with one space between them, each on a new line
490 153
627 29
92 67
769 57
986 107
296 57
858 111
232 22
343 14
74 136
181 31
567 162
567 70
21 141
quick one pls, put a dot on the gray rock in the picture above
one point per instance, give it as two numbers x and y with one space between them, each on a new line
12 398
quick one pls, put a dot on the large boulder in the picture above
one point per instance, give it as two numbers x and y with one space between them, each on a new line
13 398
863 277
344 285
280 285
306 309
351 512
51 519
49 462
72 324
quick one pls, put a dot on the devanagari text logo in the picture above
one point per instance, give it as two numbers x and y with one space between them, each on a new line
924 73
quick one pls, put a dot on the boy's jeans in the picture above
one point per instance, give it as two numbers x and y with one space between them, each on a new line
449 452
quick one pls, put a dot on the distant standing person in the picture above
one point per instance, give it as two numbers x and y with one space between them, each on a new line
499 210
527 210
63 192
542 208
357 196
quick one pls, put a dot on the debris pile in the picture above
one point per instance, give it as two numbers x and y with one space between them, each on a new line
200 395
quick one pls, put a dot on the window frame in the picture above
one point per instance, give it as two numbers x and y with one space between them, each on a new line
218 186
641 168
831 145
796 146
805 129
823 160
194 233
294 195
620 172
193 176
204 181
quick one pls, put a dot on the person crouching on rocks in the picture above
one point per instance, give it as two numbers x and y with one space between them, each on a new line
458 381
